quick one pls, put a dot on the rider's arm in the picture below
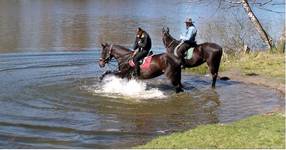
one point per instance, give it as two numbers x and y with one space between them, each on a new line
135 52
135 45
190 33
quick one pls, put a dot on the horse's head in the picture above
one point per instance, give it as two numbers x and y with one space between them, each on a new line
106 55
169 42
166 37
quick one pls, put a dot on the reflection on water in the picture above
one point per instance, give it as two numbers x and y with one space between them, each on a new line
57 25
80 24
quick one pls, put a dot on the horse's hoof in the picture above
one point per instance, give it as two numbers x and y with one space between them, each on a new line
178 90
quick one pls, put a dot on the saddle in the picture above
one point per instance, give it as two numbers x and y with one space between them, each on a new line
145 63
189 53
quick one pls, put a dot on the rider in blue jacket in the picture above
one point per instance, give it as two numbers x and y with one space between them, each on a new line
188 40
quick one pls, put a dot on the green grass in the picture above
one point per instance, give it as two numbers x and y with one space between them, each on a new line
263 131
265 64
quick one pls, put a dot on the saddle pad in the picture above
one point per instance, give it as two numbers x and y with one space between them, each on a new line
146 62
145 65
189 53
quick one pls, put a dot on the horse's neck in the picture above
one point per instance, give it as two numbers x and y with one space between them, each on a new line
121 56
173 44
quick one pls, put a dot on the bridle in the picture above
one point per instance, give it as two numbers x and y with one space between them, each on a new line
108 57
173 40
171 43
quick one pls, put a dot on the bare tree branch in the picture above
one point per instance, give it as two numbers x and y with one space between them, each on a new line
283 3
262 4
232 2
270 10
263 34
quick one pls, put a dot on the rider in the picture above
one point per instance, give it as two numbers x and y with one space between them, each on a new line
142 46
188 40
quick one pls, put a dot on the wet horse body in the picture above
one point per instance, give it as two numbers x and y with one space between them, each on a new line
210 53
160 64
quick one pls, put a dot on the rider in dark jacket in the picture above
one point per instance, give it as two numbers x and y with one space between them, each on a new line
142 46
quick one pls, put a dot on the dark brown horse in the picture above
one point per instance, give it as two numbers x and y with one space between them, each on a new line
205 52
160 64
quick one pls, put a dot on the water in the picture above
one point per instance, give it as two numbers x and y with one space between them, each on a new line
55 100
50 95
59 25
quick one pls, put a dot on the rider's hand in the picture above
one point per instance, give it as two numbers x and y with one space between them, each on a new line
134 53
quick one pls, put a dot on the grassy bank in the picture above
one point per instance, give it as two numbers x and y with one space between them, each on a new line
263 131
264 64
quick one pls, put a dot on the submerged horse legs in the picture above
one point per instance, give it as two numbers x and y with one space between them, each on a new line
214 64
174 74
214 71
109 72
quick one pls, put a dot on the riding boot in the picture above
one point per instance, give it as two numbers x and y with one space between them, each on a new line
183 63
137 71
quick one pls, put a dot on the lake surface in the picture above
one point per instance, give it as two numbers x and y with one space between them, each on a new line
55 100
57 25
61 25
50 94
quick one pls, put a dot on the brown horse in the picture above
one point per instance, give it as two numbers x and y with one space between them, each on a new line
160 64
205 52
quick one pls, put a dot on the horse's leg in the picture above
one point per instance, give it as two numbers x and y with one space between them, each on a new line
120 74
174 75
213 70
105 74
214 63
179 87
115 73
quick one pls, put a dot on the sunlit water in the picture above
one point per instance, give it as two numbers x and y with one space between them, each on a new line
55 100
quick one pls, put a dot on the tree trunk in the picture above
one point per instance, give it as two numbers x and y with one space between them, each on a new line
264 36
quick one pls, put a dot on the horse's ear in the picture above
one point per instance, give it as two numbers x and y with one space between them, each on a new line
163 29
167 30
103 44
139 29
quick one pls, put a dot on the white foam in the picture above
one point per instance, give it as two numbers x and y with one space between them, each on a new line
112 86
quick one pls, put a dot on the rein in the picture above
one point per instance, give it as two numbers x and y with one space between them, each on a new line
170 43
175 49
125 58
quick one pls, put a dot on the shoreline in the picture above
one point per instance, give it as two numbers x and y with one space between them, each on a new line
263 131
271 83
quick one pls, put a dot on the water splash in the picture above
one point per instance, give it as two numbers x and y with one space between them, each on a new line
116 87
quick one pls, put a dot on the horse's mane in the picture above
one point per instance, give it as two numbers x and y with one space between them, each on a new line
172 37
122 48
